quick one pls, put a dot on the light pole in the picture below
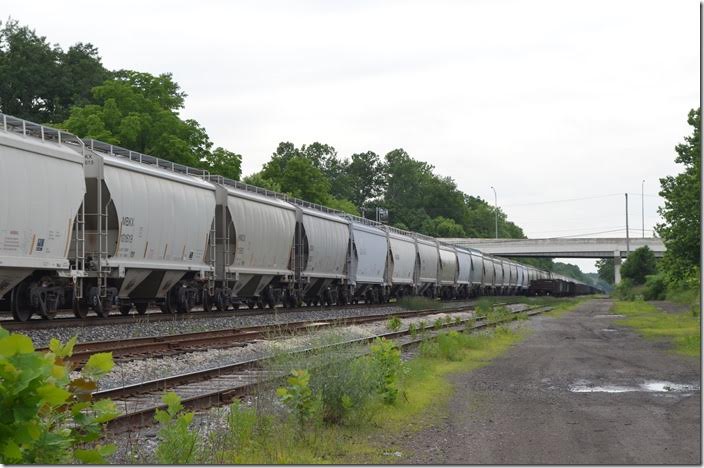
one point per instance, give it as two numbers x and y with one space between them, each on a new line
628 238
496 210
642 207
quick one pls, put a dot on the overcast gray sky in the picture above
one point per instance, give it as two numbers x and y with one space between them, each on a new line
544 100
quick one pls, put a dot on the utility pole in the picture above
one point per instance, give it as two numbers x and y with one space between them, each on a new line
496 211
642 206
628 239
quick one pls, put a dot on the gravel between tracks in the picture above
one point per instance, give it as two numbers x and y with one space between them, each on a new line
125 373
41 337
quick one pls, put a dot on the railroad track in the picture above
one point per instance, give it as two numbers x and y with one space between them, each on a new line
218 385
155 315
151 346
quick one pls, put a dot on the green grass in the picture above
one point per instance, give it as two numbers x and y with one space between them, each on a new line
682 329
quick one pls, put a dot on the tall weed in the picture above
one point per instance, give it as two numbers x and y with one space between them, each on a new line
177 442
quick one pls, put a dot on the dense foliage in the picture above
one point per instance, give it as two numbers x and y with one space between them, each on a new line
681 230
639 264
47 416
40 81
605 269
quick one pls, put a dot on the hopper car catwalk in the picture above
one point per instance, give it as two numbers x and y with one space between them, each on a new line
94 227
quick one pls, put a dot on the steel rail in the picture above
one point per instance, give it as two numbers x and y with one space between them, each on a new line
224 338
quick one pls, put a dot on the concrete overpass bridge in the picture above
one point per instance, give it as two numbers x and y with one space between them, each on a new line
588 247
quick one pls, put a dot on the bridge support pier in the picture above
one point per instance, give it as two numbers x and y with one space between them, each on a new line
617 267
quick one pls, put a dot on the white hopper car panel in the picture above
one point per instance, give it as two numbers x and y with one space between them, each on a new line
477 268
428 254
264 233
403 252
464 261
447 270
41 188
164 218
371 246
328 238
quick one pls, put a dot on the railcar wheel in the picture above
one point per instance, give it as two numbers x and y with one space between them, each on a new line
50 312
207 302
220 303
80 308
169 304
125 309
141 307
269 299
20 303
102 308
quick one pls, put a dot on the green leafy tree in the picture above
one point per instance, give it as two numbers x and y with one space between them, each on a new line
342 205
303 180
639 264
224 163
681 231
39 80
365 177
605 268
138 111
442 227
258 180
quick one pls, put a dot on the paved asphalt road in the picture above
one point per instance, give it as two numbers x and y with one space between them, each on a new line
579 389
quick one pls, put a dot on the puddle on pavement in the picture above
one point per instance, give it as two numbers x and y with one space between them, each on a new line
653 386
609 316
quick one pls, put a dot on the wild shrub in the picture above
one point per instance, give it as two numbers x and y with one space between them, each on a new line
394 324
241 425
469 324
437 325
429 349
45 416
450 346
483 307
386 357
655 288
412 330
298 396
625 290
177 442
345 386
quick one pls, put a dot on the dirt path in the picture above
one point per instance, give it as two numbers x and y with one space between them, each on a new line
579 389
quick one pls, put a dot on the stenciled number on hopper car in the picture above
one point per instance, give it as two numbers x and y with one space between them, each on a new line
204 240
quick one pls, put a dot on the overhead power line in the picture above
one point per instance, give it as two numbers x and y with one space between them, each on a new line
564 200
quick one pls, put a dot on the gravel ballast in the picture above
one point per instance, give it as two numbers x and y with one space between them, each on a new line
41 337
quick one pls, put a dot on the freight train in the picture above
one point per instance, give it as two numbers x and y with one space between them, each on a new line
90 226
